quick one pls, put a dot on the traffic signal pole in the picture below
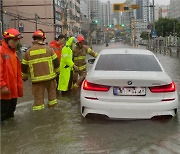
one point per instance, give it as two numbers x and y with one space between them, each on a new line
154 26
36 21
127 7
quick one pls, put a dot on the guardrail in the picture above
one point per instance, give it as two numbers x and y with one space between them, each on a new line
165 50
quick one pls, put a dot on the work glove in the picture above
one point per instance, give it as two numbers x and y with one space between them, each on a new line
76 68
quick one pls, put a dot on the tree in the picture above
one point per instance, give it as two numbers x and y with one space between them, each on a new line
167 26
144 35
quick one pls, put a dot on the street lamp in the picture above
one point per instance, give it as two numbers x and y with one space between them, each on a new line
174 32
162 28
174 29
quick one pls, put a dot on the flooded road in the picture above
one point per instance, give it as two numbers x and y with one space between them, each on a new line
64 131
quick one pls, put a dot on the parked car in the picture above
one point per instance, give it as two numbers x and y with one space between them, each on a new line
23 49
112 40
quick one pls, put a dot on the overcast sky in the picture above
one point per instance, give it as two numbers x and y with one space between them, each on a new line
160 2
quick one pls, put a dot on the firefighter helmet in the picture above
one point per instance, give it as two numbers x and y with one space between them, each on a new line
80 38
12 33
40 34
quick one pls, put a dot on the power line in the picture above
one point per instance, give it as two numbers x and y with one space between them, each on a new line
20 17
13 10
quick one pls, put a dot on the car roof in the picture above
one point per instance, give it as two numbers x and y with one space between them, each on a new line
126 51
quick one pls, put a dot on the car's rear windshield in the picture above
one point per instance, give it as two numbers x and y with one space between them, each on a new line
127 62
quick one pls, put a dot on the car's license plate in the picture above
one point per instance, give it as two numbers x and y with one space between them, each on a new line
126 91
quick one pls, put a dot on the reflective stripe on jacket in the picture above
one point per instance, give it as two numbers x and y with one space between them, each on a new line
42 63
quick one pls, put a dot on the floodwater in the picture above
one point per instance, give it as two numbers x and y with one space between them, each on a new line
64 131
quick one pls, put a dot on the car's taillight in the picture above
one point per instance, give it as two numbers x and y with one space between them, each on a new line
163 89
94 87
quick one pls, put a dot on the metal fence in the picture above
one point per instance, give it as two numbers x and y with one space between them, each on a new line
170 41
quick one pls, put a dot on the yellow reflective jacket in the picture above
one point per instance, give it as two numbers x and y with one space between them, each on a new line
41 62
66 66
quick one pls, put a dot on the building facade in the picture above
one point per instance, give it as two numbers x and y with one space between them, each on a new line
174 11
143 13
84 8
117 18
164 11
110 13
53 16
27 16
140 27
73 17
93 9
104 15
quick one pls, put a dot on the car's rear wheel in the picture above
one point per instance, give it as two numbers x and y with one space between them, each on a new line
96 116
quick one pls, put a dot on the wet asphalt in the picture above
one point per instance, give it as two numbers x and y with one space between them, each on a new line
63 130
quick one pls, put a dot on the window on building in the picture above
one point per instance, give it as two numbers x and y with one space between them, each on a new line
56 1
70 4
58 16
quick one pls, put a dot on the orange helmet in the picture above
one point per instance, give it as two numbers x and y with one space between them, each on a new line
12 33
80 38
39 33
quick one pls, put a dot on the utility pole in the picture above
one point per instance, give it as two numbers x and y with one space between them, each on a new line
132 26
154 26
2 20
54 14
174 29
174 32
91 17
36 21
18 19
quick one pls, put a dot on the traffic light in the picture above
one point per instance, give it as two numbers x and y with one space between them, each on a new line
111 26
118 7
107 29
122 25
135 6
95 21
126 8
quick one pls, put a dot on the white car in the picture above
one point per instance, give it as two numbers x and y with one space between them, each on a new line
112 40
128 84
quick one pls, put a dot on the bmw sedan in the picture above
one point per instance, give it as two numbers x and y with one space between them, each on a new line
128 84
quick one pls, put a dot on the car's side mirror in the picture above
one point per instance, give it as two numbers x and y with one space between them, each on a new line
91 61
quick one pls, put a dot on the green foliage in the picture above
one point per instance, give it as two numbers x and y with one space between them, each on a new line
166 26
144 35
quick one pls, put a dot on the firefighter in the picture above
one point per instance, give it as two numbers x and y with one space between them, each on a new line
80 52
57 46
67 65
10 74
43 65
